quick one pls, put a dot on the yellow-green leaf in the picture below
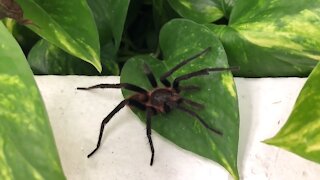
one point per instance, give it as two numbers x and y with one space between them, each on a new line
201 11
67 24
27 147
301 133
272 37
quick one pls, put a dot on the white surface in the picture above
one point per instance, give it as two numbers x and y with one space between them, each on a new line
124 154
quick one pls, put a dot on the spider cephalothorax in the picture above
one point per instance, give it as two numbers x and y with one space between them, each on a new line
161 99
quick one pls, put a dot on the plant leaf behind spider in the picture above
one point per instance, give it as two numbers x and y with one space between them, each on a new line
180 39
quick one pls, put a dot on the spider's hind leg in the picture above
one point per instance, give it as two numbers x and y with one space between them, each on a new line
189 88
192 103
191 113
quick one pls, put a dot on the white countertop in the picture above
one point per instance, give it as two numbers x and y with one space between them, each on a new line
75 116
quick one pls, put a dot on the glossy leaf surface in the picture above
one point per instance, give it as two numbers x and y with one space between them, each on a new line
203 11
301 133
180 39
272 38
45 58
110 17
67 24
27 148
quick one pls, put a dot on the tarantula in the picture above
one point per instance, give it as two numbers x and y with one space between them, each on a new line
161 99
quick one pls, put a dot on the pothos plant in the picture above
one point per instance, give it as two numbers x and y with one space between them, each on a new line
103 37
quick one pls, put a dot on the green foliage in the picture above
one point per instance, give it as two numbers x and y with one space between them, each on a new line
272 38
264 38
300 134
203 11
27 148
110 17
219 96
45 58
200 11
66 24
25 37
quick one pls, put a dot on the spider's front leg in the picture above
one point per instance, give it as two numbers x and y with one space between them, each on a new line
127 86
201 72
164 77
147 71
106 120
150 113
123 103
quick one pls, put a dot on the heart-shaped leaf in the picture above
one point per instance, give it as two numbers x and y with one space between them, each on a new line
27 148
180 39
203 11
272 38
67 24
301 133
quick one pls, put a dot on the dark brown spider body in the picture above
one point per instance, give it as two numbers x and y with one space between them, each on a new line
161 99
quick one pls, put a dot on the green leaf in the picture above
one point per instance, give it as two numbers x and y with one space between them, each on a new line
110 17
180 39
141 33
27 148
162 13
46 58
25 37
227 6
272 38
202 11
301 133
66 24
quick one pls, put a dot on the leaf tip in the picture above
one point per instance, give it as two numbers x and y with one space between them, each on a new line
271 141
97 64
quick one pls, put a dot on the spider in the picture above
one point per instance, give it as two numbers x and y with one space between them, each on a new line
161 99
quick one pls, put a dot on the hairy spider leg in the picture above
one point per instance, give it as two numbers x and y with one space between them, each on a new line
201 72
111 114
147 71
199 119
127 86
106 120
164 77
150 113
